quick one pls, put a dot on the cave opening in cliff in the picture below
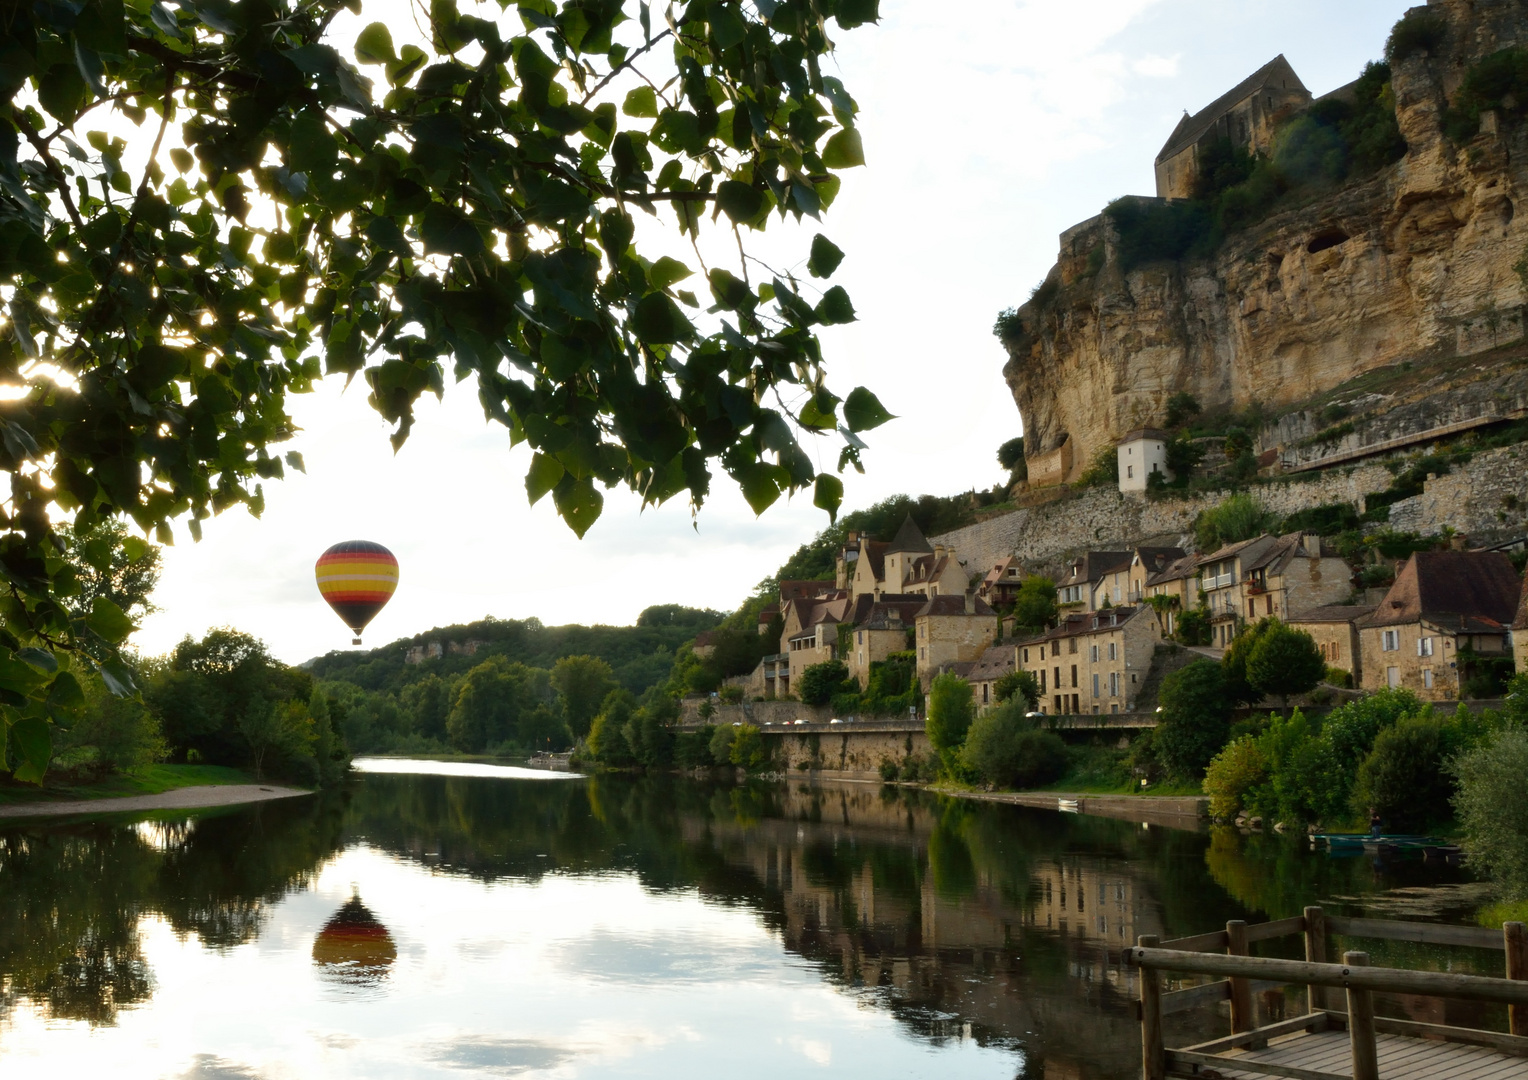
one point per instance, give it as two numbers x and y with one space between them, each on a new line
1326 238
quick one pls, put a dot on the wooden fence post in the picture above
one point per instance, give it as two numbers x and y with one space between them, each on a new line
1153 1054
1515 939
1315 952
1241 990
1361 1024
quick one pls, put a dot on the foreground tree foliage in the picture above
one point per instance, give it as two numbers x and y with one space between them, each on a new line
277 215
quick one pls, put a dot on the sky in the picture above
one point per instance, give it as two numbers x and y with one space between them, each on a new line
989 127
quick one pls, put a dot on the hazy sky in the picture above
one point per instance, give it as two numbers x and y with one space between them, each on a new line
989 127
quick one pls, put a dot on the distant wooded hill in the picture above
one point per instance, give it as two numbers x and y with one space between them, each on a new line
640 655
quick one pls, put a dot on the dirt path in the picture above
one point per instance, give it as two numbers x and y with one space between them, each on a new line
186 798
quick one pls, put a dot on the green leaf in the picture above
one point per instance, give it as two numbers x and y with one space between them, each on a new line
844 149
182 159
834 307
730 291
863 410
852 13
658 321
65 693
294 459
825 257
118 678
19 677
374 45
739 201
642 102
667 271
542 477
108 620
445 232
727 27
819 413
760 485
828 494
134 547
578 502
30 746
41 659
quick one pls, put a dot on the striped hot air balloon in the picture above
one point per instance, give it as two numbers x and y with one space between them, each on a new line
357 578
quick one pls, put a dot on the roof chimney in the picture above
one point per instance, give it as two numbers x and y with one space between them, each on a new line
970 603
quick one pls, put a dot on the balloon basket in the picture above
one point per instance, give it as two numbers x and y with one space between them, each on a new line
355 641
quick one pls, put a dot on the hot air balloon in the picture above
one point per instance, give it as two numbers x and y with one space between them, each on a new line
353 948
357 578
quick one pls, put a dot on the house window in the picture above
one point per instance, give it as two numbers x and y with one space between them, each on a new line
1113 650
1114 684
1026 656
1074 674
1042 680
1071 646
1427 677
1390 643
1392 677
1424 646
1095 684
1093 655
1129 472
985 687
922 654
861 638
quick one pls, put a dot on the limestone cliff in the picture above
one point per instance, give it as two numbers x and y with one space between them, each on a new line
1413 263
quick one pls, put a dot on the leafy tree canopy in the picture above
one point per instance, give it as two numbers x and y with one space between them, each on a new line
470 206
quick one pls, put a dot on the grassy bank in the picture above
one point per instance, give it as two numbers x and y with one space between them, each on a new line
149 780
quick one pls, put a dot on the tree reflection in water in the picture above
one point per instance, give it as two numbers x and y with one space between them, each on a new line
963 920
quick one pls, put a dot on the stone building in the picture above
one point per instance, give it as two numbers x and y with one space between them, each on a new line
881 627
1520 633
1141 453
1085 573
1252 580
1093 662
1178 583
951 630
810 635
1000 585
908 564
1245 116
1335 630
1442 602
995 662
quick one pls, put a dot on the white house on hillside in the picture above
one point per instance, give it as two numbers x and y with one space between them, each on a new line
1141 453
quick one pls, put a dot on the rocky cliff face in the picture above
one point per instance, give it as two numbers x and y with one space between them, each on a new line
1414 263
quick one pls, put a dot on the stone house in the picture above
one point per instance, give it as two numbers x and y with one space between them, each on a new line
1520 633
1335 630
995 661
1141 453
907 564
1077 590
951 629
1145 563
1178 581
810 634
1093 662
1000 585
1442 602
1246 115
881 627
1268 575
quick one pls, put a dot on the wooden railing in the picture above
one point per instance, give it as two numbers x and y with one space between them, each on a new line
1226 953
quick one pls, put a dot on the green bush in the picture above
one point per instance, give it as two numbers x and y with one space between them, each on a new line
1008 327
1306 782
1351 729
692 749
1336 676
1103 470
1193 627
747 750
951 707
1003 749
1285 661
1194 718
1020 683
1491 805
1181 407
1418 31
1403 777
721 745
1034 606
1011 454
1233 663
819 682
1232 774
1498 81
1329 519
889 769
1239 517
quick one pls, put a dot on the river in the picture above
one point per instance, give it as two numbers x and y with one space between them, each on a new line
454 921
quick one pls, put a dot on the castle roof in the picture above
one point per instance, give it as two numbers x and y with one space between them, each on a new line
910 538
1192 128
1477 591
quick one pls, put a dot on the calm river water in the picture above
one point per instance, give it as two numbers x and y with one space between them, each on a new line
504 923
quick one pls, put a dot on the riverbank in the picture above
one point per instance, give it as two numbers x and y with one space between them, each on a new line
198 797
1175 811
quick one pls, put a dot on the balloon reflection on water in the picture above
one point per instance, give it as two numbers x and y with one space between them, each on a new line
354 949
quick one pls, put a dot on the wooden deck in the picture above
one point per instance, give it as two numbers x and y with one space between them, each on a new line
1327 1055
1341 1037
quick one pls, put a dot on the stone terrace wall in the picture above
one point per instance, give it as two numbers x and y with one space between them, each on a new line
1102 517
1488 496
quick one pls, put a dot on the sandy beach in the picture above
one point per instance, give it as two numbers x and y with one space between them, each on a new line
187 798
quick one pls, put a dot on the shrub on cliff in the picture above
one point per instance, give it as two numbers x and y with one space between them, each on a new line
1417 31
1239 517
1498 82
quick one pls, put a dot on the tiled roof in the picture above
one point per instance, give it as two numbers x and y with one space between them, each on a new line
910 538
1143 433
1092 565
952 604
995 662
804 590
1080 623
1184 567
874 554
872 614
1332 613
1456 589
1192 128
